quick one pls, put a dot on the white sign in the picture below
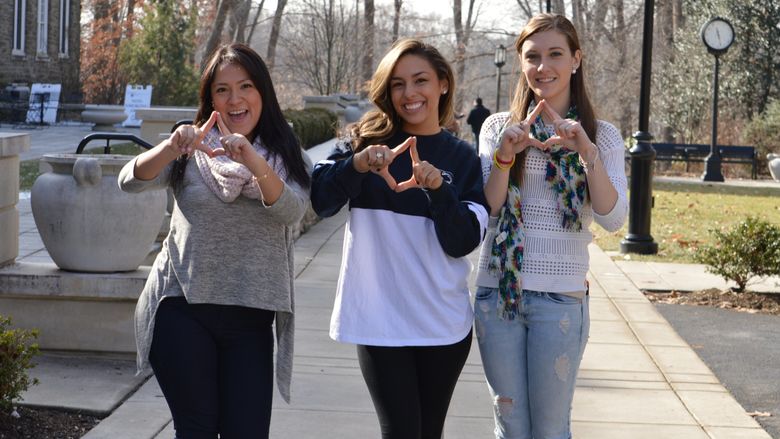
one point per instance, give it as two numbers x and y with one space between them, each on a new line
49 96
136 96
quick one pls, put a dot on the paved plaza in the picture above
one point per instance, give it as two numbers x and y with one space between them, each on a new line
639 379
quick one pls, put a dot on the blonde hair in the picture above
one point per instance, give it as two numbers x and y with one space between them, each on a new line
380 124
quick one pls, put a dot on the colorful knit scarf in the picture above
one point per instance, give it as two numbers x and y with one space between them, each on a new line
566 177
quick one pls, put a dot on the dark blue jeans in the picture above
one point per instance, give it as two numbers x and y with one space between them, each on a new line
214 364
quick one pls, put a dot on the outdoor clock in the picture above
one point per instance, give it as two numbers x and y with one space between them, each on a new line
718 34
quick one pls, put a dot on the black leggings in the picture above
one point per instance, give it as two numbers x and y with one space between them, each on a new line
214 364
412 386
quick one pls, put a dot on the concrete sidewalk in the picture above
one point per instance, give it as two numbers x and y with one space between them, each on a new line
638 378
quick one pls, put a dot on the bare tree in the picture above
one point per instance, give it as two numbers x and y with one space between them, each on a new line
215 37
319 47
368 44
273 40
525 7
238 20
462 36
252 27
397 18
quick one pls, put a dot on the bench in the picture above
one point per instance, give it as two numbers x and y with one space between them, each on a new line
698 153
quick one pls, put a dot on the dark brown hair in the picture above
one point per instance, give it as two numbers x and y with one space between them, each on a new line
276 134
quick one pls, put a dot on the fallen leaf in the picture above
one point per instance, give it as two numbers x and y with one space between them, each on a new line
760 414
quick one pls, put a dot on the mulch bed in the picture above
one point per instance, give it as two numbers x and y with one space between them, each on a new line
746 301
39 423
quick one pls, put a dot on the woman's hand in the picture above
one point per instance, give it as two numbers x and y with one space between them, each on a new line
515 138
424 174
570 134
377 159
188 138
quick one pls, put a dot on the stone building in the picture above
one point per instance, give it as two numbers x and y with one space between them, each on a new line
40 42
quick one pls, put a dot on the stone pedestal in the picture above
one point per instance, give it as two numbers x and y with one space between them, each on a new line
157 121
73 311
11 145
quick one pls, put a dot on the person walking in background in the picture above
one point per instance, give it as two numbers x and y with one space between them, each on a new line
225 272
415 212
550 169
476 118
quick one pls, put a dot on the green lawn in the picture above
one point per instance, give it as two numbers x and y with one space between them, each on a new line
28 169
683 215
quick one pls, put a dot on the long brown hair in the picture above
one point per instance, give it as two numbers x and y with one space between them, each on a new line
524 95
381 124
276 134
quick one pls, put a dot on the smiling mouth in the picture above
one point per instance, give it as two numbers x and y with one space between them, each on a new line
413 106
545 80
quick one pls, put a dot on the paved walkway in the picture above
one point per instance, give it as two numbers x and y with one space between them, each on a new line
638 379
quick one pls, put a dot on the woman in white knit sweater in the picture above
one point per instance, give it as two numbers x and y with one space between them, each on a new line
550 169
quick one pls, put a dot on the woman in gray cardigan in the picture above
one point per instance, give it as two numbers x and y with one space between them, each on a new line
225 271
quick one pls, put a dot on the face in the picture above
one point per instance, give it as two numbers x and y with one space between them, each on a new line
547 65
415 90
236 99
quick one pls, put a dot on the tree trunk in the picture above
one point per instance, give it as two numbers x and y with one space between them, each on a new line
620 31
215 38
397 18
238 21
558 7
130 19
254 22
665 25
462 36
273 39
679 16
368 46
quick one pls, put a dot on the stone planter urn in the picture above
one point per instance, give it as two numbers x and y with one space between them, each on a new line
86 222
773 160
103 116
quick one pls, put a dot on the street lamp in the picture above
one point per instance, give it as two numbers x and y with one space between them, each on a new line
717 34
499 60
638 240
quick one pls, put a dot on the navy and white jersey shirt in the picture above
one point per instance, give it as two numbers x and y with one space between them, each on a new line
403 279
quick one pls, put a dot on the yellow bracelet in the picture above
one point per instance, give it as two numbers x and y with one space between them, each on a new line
501 165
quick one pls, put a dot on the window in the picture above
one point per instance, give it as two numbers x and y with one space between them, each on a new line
64 27
43 27
19 14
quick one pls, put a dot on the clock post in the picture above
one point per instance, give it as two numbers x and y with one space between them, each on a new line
718 35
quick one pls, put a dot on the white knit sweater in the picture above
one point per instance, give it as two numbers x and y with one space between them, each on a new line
554 259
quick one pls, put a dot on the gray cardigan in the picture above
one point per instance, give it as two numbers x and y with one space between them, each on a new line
238 253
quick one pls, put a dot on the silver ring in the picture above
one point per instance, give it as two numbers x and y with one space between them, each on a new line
379 155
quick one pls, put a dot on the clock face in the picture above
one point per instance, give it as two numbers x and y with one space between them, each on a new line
718 34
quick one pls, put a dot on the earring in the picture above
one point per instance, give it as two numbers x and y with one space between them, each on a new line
444 92
574 71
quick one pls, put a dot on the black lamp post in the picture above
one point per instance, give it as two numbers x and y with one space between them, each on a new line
499 60
638 239
717 34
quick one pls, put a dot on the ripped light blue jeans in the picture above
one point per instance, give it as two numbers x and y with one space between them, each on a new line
531 361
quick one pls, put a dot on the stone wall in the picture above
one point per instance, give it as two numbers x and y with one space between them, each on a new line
11 145
32 67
